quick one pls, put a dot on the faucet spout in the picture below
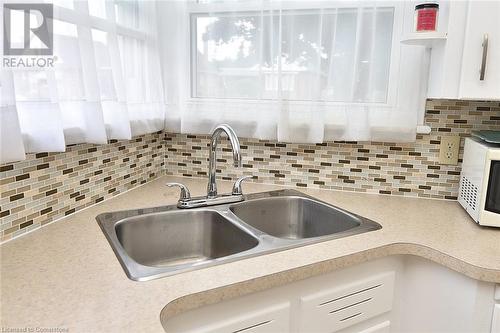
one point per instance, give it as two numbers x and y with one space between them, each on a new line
235 145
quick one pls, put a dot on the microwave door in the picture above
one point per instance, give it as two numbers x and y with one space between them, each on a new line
492 202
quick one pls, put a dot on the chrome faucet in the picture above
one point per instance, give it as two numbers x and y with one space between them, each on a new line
212 198
235 144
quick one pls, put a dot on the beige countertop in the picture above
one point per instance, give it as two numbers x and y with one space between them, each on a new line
66 275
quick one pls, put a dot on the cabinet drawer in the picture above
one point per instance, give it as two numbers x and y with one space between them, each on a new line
270 319
384 327
340 307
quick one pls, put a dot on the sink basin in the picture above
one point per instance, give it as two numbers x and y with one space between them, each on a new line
294 217
181 237
155 242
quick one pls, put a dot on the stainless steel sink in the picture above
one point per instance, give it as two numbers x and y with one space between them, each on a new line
160 241
181 237
294 217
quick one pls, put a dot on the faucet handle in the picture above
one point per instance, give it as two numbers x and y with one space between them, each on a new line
185 195
237 185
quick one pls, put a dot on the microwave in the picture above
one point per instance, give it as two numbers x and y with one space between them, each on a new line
479 191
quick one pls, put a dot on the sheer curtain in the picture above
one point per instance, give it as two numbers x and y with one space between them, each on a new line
294 71
11 147
105 82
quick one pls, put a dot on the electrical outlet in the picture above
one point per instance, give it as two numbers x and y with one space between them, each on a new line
448 150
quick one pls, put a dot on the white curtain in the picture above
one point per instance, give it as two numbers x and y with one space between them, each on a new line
294 71
105 82
11 143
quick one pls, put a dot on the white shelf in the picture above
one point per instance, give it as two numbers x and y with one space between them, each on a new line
427 39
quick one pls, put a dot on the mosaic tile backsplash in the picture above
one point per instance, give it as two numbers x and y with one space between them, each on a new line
48 186
410 169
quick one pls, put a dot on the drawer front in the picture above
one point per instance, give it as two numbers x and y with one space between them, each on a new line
340 307
271 319
384 327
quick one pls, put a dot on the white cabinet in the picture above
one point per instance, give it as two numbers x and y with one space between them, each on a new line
354 300
249 317
495 324
398 294
481 56
331 310
384 327
274 318
456 62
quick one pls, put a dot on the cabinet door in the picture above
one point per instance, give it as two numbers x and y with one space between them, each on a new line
495 325
332 310
483 22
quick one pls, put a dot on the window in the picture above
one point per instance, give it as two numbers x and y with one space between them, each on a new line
333 55
105 82
293 71
104 65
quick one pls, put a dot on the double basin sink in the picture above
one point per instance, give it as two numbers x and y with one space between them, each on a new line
161 241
